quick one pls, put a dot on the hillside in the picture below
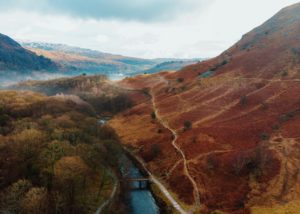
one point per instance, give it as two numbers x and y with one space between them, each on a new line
98 85
224 134
14 57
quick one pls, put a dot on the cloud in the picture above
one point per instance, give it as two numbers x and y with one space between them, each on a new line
141 10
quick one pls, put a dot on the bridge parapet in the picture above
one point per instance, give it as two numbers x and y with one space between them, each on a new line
139 183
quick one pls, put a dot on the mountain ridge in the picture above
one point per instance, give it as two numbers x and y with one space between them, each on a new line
14 57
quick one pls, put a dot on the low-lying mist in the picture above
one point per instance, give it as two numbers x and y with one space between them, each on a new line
8 78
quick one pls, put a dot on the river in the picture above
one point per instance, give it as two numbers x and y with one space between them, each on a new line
141 201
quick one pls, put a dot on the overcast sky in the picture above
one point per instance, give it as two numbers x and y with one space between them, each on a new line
141 28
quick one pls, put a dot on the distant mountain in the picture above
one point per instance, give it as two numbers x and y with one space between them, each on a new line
76 60
40 61
14 57
170 66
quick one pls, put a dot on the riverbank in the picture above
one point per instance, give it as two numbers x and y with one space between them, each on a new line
176 207
163 198
164 207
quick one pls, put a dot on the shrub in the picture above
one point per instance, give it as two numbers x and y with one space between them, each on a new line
183 88
4 119
264 136
254 162
224 62
187 125
153 115
284 74
239 163
146 91
155 151
180 80
275 126
286 117
295 51
244 100
212 162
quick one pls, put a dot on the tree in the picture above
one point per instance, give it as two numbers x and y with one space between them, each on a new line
35 201
254 162
67 161
91 154
113 152
13 195
70 168
70 175
49 156
29 142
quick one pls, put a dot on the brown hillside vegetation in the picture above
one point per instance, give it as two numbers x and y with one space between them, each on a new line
237 119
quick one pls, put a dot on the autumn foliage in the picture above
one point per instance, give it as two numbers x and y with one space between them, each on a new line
53 155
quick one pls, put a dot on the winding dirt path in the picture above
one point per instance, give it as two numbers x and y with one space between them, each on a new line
185 162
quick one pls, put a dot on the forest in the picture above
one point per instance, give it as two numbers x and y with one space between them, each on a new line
54 155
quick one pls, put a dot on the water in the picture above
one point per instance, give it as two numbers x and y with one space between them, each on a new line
141 201
103 120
